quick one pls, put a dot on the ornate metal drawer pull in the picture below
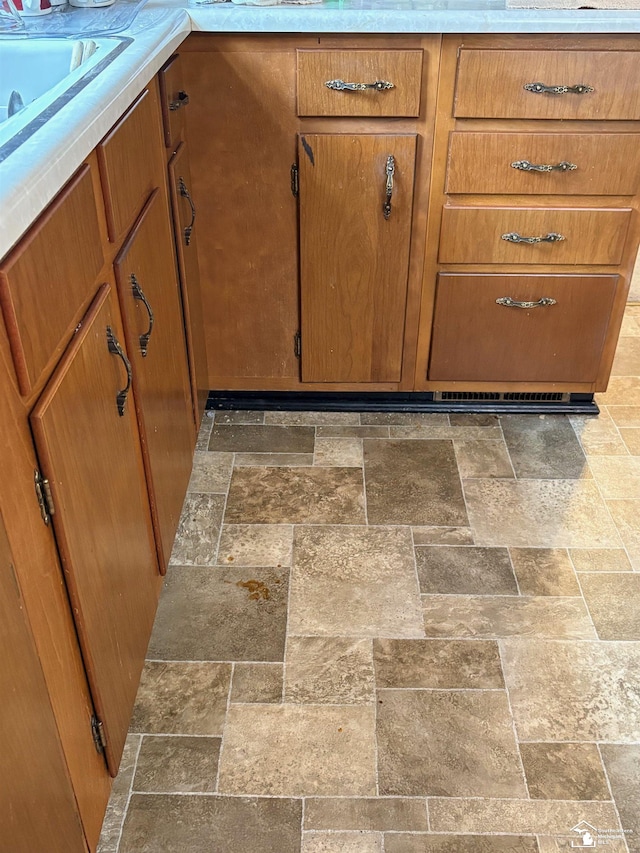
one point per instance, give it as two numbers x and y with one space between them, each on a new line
513 237
390 171
513 303
181 100
526 166
184 192
116 349
138 293
341 86
541 89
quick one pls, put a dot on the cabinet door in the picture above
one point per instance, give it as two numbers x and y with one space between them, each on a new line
154 332
184 223
354 257
90 453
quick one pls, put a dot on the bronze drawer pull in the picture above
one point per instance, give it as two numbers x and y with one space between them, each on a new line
184 192
513 303
526 166
181 100
390 170
138 293
341 86
116 349
541 89
513 237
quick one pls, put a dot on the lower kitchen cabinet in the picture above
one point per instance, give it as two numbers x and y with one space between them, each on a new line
356 194
86 436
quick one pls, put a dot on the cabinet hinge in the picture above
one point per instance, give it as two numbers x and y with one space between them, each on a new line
297 344
44 496
295 186
97 732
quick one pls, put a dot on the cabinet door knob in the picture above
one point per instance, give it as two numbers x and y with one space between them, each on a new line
541 89
514 303
526 166
184 192
390 170
138 293
341 86
116 349
181 100
514 237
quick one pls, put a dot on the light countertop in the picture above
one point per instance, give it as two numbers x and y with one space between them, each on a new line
31 175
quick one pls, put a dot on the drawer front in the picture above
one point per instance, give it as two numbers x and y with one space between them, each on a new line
475 235
130 164
594 164
401 68
477 339
61 255
173 100
491 84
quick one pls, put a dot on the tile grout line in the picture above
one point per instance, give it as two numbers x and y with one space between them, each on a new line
224 728
613 800
286 627
513 722
126 808
513 571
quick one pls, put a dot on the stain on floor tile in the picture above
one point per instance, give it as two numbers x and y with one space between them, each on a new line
437 664
177 764
329 670
564 771
382 814
248 438
613 600
544 571
295 496
543 447
413 482
299 750
465 571
210 824
223 614
354 581
447 743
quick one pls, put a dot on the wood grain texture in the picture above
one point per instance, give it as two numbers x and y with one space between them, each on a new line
490 84
607 163
353 262
92 459
189 279
403 68
37 805
61 254
170 82
473 235
161 378
130 158
475 339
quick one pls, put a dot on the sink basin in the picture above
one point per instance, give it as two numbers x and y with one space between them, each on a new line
39 76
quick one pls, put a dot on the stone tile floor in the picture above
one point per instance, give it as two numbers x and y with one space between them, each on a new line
397 633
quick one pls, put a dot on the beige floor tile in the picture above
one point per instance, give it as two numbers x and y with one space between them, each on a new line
426 419
621 391
341 452
467 570
313 418
177 764
204 433
543 447
544 571
617 476
329 670
440 664
598 435
239 416
299 750
117 807
272 460
196 541
449 433
600 560
258 438
468 419
257 682
539 513
460 844
483 458
627 358
573 691
613 600
631 319
442 536
447 743
625 416
506 616
623 769
566 843
564 771
211 472
255 545
381 814
342 842
352 432
354 581
626 515
631 438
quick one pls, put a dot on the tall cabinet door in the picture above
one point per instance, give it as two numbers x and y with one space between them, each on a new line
87 442
152 316
355 229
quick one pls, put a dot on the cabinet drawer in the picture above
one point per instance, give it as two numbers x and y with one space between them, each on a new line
130 164
605 163
60 256
173 100
491 84
401 68
476 235
477 339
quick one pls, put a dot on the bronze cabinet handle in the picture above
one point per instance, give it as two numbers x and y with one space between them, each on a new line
541 89
116 349
184 192
514 303
182 100
526 166
341 86
138 293
514 237
390 170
